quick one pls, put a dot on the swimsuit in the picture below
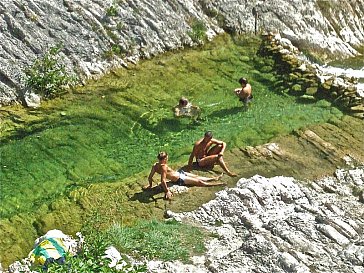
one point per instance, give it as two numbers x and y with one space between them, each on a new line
198 161
246 100
181 180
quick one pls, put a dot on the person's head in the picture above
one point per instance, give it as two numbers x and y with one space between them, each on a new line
162 155
243 81
208 135
183 102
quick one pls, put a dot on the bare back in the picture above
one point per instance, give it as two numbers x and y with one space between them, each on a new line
245 92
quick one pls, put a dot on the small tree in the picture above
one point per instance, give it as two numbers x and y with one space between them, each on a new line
47 76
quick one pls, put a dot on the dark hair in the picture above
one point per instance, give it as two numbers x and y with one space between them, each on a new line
208 134
243 81
162 155
183 101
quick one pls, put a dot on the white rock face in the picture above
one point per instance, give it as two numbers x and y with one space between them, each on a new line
143 28
32 100
280 225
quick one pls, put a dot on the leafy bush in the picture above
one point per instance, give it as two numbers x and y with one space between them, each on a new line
92 259
47 76
112 11
198 32
114 51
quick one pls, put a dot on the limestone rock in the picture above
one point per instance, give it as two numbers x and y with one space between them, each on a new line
32 100
90 30
279 225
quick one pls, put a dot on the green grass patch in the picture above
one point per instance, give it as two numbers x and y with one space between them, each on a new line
167 241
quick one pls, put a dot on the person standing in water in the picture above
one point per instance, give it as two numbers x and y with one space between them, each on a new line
244 92
180 177
208 152
186 109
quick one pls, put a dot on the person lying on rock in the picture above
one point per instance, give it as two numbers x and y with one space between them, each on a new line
208 152
180 177
244 92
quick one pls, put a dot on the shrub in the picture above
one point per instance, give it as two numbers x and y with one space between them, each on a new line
198 32
92 259
114 51
47 76
112 11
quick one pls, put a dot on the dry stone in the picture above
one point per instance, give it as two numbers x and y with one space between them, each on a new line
89 30
280 225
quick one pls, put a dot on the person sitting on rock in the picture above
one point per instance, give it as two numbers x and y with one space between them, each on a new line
180 177
185 108
244 92
209 151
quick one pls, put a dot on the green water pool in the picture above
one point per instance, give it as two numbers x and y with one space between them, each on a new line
113 128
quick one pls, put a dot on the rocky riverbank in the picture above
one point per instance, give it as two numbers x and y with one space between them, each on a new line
277 224
280 224
99 35
301 77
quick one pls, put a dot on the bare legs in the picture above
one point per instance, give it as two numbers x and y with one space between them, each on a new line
201 181
203 178
214 156
211 160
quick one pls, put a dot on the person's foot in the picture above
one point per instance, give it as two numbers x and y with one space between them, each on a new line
232 174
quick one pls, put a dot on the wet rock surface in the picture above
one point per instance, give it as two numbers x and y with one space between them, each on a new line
99 35
307 154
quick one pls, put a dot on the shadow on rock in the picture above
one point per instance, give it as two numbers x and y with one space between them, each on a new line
149 195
